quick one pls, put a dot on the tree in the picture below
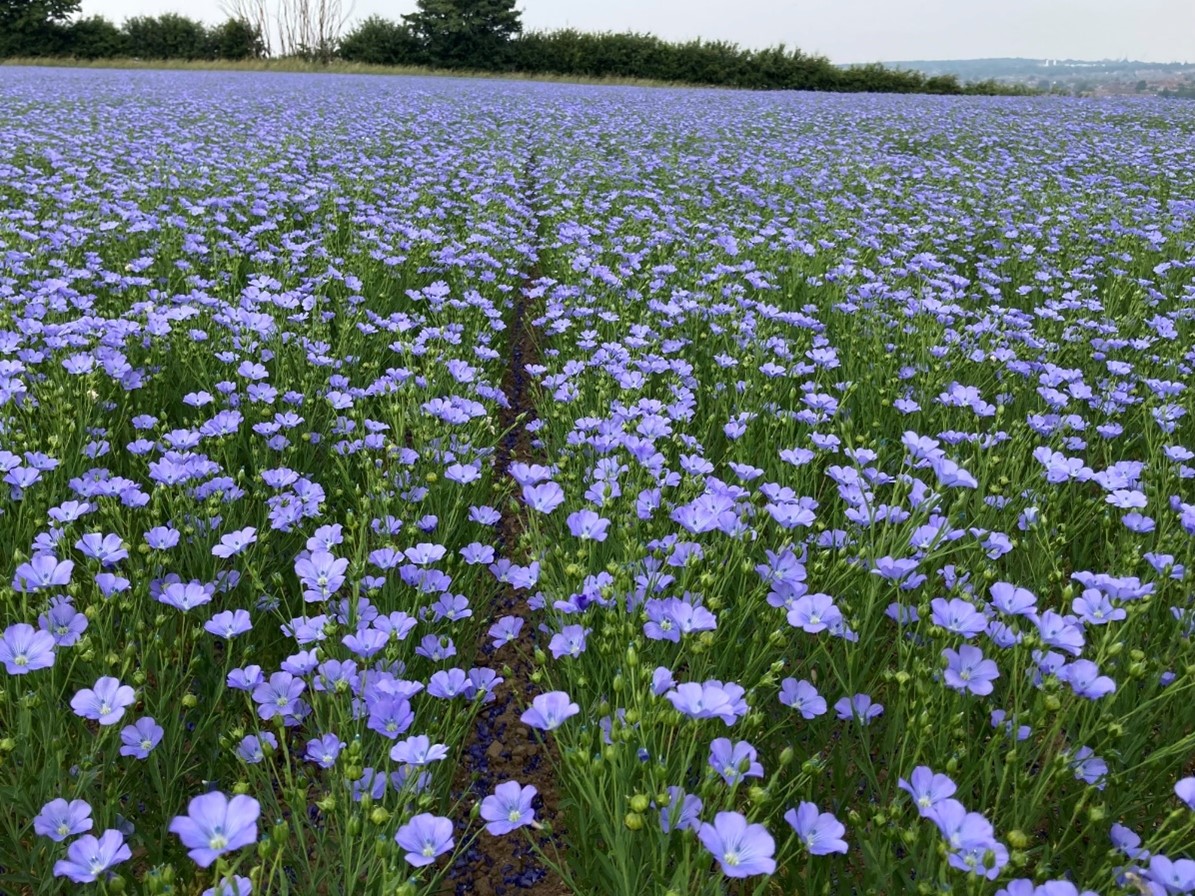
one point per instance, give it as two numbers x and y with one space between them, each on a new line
376 41
236 39
95 38
34 27
465 33
311 28
257 14
168 36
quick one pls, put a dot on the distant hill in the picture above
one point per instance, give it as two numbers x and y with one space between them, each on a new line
1080 76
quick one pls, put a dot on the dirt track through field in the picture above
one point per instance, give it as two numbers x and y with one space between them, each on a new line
500 747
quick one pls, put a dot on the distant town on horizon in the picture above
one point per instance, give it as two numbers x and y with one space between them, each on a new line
1096 77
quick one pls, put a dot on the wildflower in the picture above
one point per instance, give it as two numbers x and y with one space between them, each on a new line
252 747
709 700
186 596
961 829
734 762
324 750
278 696
588 525
814 613
1185 791
105 703
548 711
62 621
569 641
237 885
683 811
927 788
235 542
41 572
505 630
59 819
215 825
859 708
803 697
741 849
967 670
425 837
140 738
24 649
89 857
228 624
508 808
418 750
821 833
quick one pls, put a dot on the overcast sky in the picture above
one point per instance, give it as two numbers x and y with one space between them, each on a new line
844 30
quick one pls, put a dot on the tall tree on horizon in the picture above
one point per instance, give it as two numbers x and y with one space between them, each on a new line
465 33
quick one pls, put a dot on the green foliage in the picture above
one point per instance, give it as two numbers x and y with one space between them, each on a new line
236 39
95 38
378 41
466 33
168 36
33 27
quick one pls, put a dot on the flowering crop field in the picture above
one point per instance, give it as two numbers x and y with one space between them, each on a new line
430 486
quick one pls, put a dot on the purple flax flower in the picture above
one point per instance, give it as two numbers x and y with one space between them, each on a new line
505 630
543 498
734 762
252 747
709 700
62 621
859 708
1085 680
961 829
821 833
1185 791
42 571
1012 600
803 697
683 811
390 715
1173 875
425 837
927 789
237 885
186 596
967 670
814 613
89 857
229 624
324 750
958 616
108 549
59 819
235 542
569 641
24 649
215 825
588 525
508 808
279 695
418 750
105 703
741 849
548 711
140 738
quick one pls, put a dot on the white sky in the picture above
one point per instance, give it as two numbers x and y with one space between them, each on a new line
844 30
